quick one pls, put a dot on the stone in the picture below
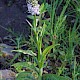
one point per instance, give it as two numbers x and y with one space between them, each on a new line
7 75
6 50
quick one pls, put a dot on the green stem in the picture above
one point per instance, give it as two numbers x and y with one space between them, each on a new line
40 73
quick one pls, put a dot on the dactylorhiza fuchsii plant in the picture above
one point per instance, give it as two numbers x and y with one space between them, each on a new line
38 33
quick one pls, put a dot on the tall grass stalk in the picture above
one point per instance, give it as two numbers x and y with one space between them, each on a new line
57 23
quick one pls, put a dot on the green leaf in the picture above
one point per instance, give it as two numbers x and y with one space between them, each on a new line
46 51
29 52
32 17
1 53
25 76
43 29
54 77
43 7
27 65
15 57
44 54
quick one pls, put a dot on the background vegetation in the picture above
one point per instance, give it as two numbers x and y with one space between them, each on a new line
53 47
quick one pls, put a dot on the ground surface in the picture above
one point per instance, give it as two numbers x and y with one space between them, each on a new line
13 17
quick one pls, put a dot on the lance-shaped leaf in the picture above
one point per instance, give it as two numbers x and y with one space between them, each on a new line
44 54
29 52
27 65
54 77
25 76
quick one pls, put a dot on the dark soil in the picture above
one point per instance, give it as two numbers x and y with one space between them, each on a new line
13 16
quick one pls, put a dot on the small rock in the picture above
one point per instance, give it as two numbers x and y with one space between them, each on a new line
7 75
6 50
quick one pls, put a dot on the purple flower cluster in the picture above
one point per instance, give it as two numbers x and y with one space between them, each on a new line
33 9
